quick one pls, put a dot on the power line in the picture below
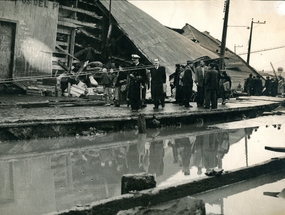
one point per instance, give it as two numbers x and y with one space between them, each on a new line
262 50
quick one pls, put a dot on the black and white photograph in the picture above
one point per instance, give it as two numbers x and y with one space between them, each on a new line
142 107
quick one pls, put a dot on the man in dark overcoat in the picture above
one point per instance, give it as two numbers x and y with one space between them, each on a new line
158 79
187 84
249 85
137 82
211 87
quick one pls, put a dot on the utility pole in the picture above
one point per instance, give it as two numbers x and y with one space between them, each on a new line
250 38
237 46
224 36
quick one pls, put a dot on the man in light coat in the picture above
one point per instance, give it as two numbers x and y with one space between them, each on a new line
200 74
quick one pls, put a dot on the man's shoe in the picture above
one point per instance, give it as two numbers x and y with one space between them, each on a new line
188 106
155 108
144 105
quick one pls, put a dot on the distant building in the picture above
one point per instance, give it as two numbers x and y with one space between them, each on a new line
236 67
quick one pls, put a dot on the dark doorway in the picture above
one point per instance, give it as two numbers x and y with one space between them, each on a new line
7 43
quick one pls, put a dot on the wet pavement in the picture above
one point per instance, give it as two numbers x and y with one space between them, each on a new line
11 113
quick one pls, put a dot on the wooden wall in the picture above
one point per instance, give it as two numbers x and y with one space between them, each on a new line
35 37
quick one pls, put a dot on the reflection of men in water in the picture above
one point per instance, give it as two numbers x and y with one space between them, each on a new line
133 159
223 146
174 150
185 149
210 150
143 150
107 157
121 159
198 154
156 164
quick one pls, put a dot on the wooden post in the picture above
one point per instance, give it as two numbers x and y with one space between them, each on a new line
141 123
71 48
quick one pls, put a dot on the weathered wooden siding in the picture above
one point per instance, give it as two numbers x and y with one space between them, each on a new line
36 26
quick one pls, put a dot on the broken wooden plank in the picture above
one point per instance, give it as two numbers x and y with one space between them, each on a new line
76 24
33 104
89 13
63 31
60 63
56 59
62 43
21 84
71 48
88 34
61 49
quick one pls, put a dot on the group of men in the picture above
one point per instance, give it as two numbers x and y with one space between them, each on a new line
140 78
207 79
272 86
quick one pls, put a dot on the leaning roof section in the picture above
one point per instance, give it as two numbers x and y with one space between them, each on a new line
153 39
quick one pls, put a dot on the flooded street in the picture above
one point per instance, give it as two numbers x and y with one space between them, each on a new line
46 175
264 195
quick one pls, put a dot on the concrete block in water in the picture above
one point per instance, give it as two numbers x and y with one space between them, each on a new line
137 182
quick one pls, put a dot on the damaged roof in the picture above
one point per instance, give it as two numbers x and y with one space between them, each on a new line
153 39
236 67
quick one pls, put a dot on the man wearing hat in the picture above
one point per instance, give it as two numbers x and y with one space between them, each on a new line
187 84
158 79
137 85
249 85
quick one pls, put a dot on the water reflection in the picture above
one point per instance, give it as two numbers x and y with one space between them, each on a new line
251 197
41 176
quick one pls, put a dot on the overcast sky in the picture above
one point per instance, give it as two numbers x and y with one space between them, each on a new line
207 15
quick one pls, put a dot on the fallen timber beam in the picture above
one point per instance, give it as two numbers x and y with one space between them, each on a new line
83 50
65 52
76 24
89 13
275 149
161 195
88 34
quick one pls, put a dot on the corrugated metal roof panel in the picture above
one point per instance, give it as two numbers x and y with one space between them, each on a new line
152 38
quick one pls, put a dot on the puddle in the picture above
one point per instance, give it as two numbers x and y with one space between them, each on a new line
42 176
260 196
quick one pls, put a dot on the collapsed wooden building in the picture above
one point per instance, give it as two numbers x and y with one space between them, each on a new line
42 39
